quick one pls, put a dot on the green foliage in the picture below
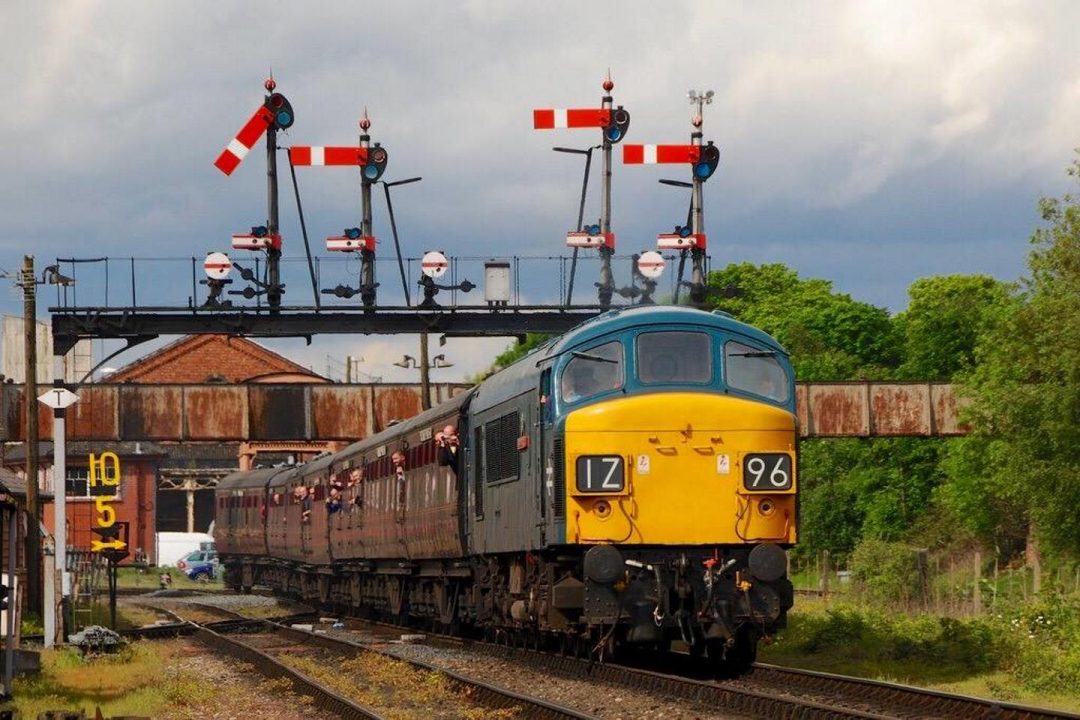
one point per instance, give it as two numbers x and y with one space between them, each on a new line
515 352
913 643
945 318
1026 386
885 572
829 335
1046 656
854 488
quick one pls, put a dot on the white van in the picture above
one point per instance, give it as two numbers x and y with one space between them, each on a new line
173 546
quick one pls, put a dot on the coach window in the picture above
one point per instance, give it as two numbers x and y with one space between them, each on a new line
674 357
755 371
593 371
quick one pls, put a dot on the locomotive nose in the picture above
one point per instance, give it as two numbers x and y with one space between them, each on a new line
673 469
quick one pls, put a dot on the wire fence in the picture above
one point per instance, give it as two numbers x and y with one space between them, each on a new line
951 584
136 282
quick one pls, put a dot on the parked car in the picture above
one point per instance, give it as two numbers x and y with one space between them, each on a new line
202 571
197 557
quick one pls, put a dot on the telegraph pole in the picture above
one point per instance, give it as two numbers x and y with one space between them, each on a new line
33 509
425 374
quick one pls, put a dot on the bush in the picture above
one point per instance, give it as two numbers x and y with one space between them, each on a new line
1045 657
885 572
869 635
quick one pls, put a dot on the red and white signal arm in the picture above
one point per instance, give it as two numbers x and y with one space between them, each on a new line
651 264
342 243
675 241
585 240
434 264
254 242
553 118
217 265
238 148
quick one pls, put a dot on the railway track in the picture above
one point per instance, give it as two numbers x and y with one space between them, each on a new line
221 636
773 691
769 691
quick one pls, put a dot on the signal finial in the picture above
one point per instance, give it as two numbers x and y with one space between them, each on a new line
608 84
365 123
270 84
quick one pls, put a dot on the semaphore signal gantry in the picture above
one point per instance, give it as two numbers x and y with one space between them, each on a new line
500 312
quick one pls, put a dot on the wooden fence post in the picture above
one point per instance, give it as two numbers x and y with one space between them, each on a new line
976 595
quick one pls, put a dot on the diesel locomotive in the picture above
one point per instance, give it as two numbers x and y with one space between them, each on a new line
629 484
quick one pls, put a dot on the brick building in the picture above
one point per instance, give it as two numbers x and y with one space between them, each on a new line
184 498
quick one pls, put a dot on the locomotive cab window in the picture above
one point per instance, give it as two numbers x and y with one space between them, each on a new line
674 357
591 372
756 371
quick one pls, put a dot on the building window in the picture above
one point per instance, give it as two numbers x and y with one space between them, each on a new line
77 485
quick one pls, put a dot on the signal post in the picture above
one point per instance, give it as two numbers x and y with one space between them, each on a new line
614 122
703 159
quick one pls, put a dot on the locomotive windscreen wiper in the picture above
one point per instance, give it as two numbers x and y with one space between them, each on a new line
755 353
595 358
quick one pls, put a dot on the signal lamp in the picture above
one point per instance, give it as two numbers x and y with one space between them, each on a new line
281 110
259 231
707 162
352 233
376 163
592 229
620 123
682 231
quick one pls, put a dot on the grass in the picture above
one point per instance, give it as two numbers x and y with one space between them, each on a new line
132 578
986 656
130 682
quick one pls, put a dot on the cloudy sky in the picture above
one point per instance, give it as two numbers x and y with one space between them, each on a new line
869 143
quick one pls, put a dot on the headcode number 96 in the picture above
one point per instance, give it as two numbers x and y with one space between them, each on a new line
767 471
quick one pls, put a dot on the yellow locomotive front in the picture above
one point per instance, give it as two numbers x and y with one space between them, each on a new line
679 479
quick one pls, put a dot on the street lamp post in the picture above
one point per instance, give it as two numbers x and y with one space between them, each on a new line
424 365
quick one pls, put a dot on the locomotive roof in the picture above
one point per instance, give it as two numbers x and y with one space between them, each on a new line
521 376
638 315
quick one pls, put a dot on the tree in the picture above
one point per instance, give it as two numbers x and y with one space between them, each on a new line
517 351
829 335
945 317
1025 386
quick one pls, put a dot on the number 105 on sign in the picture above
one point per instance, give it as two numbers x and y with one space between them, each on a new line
766 471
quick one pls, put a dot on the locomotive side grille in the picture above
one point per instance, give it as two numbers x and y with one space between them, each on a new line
502 459
559 464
